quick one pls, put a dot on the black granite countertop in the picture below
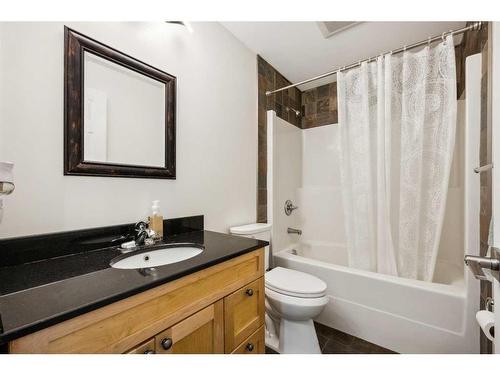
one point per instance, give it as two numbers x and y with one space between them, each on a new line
43 292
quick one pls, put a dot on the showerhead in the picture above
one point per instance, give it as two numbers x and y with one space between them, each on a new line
297 112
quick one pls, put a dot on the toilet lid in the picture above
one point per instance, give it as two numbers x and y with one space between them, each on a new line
294 283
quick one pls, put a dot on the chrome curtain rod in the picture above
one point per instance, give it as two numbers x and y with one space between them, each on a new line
474 26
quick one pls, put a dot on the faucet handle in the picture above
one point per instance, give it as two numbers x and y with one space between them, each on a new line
140 226
289 207
150 238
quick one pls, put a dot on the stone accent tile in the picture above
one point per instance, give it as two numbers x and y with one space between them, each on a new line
320 106
262 196
286 98
324 119
323 91
333 89
262 213
279 111
309 96
310 121
309 109
323 106
270 79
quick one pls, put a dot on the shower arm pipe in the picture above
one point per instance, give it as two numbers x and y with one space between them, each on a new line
475 26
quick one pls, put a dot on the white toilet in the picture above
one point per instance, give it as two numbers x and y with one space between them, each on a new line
293 299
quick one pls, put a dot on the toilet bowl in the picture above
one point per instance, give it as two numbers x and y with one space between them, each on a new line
293 300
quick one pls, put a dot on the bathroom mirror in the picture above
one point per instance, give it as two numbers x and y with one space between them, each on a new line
119 113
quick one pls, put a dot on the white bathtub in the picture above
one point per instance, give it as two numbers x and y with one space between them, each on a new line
404 315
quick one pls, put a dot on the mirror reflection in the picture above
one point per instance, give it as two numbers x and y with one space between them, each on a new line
124 115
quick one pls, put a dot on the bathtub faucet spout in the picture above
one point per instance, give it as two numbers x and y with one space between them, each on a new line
294 231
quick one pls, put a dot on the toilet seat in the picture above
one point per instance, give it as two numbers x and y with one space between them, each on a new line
296 301
293 283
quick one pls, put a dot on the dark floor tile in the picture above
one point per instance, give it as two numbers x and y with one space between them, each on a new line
334 347
334 334
270 351
342 343
322 341
365 347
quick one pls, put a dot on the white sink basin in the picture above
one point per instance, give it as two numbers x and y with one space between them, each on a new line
156 257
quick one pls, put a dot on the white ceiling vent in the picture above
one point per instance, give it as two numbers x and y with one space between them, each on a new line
331 28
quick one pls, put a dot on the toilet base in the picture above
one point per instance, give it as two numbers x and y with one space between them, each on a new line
296 337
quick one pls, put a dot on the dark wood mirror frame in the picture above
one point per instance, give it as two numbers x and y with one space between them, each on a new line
75 44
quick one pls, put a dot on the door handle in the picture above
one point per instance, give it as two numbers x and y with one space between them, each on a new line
478 264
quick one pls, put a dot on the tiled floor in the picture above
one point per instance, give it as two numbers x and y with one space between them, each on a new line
332 341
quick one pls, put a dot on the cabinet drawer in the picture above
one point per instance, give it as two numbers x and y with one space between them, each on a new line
243 313
255 344
201 333
147 347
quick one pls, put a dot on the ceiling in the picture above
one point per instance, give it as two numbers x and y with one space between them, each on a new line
299 50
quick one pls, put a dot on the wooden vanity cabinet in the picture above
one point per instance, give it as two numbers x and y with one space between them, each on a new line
217 310
201 333
243 313
147 347
255 344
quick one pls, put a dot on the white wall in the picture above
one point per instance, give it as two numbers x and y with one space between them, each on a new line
216 131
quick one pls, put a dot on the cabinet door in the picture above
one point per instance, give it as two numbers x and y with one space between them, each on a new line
201 333
147 347
255 344
243 313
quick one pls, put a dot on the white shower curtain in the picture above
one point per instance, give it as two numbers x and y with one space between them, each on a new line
397 117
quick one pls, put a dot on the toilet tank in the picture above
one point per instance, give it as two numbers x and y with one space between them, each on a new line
259 231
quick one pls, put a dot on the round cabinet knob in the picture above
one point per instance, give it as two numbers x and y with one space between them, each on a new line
149 351
166 343
249 292
250 347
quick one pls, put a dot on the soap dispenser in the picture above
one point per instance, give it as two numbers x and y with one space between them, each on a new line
156 220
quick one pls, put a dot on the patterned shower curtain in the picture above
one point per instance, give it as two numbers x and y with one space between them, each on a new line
397 117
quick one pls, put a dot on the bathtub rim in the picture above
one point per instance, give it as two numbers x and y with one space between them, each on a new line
450 290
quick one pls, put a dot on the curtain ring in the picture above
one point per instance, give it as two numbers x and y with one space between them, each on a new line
429 41
404 48
442 36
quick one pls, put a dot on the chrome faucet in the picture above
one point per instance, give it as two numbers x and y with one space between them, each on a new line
142 233
294 231
143 236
